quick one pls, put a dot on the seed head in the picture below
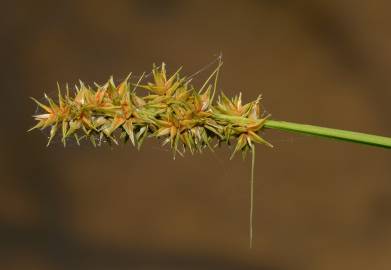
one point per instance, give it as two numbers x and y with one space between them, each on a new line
170 108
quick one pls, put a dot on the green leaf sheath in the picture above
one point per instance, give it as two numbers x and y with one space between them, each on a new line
338 134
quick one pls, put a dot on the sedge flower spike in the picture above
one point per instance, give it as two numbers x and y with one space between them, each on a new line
171 108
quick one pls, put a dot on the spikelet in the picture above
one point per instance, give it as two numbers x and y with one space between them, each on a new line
171 108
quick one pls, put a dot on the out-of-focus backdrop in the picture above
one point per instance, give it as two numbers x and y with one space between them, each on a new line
319 204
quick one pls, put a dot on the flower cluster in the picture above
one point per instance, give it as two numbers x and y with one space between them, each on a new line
172 109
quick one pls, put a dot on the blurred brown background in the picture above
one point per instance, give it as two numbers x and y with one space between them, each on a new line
319 204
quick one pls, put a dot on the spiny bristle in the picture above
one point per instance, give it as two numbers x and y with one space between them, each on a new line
171 108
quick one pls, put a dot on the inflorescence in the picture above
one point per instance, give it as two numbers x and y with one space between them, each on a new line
172 109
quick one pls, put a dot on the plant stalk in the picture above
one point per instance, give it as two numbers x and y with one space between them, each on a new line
338 134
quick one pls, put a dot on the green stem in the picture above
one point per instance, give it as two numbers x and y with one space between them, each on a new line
338 134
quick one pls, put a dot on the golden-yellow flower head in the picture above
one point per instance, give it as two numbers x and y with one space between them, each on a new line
170 108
